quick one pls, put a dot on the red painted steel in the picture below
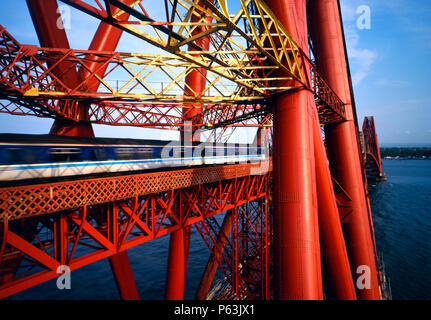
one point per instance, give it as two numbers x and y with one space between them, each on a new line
123 275
176 273
35 63
342 142
264 257
296 235
195 83
46 17
337 277
216 256
373 160
107 38
244 257
108 227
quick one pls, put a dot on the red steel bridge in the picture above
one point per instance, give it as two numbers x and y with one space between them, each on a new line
298 226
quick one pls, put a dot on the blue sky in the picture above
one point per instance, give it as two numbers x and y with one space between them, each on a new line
390 65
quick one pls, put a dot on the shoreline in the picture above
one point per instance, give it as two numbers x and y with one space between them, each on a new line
405 158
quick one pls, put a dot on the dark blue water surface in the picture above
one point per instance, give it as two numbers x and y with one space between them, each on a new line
148 262
402 220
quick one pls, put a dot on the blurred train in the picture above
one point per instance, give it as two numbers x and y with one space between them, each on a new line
25 156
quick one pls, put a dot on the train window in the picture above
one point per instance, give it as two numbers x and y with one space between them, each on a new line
144 153
98 154
125 153
65 154
14 155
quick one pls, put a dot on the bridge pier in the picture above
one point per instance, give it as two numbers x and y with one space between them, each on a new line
177 264
123 274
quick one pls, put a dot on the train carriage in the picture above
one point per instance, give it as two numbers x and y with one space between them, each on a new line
24 157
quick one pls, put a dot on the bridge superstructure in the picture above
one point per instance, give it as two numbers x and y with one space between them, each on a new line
293 225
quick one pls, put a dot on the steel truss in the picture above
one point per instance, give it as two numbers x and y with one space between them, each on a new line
245 258
222 66
31 78
112 220
371 149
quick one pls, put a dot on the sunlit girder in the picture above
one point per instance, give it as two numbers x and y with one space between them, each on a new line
28 71
249 46
27 79
238 41
371 149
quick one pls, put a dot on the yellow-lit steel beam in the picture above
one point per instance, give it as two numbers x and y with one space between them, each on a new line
229 58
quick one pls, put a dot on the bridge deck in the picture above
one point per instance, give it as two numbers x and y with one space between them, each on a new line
30 200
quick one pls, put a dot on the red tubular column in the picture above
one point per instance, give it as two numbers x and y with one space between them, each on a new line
215 258
195 80
296 243
335 261
342 144
177 265
45 16
296 233
123 275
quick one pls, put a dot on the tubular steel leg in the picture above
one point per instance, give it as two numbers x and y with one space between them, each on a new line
215 257
177 265
123 275
297 267
335 261
45 16
342 143
296 234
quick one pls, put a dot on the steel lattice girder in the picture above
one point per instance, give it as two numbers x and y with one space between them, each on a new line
116 226
42 87
262 43
25 201
371 149
245 257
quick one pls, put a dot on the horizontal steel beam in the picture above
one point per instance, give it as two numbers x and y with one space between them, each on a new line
31 200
